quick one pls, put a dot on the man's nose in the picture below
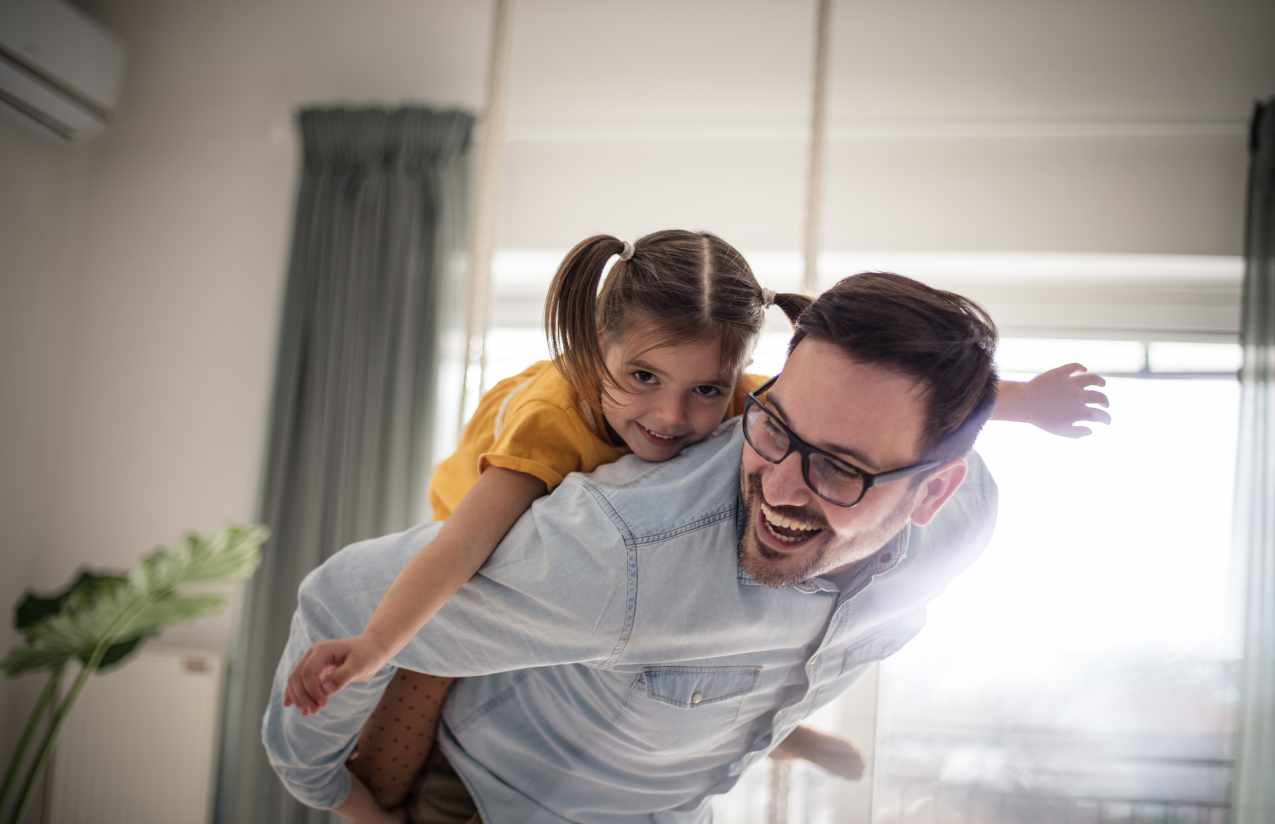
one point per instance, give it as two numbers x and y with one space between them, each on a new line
784 484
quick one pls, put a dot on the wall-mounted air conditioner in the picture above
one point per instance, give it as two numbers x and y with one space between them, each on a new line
60 71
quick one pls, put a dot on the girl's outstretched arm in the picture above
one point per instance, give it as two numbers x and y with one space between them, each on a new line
1057 401
463 544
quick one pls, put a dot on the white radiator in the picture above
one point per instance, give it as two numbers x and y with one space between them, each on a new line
140 745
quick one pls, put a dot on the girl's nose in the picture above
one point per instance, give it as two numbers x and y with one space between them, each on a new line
673 415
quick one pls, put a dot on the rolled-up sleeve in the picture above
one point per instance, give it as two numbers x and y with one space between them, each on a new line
558 590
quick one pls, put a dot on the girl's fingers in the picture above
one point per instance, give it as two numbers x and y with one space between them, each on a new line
1096 415
325 679
307 699
310 680
1066 369
336 678
1094 396
1090 379
294 682
298 698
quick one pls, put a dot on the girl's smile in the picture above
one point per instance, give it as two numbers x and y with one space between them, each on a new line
667 396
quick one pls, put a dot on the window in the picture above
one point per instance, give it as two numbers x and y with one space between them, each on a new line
1081 669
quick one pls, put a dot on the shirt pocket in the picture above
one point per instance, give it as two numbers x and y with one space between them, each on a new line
671 708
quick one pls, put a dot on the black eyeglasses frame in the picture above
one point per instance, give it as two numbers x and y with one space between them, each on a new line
804 449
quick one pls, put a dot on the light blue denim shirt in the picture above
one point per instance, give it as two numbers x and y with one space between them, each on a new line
618 663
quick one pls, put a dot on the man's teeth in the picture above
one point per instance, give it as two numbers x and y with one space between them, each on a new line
775 519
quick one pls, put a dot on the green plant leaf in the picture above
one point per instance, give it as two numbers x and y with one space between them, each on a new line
123 611
21 660
33 608
118 615
116 653
229 555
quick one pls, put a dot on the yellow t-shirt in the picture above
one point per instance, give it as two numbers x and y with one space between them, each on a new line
532 423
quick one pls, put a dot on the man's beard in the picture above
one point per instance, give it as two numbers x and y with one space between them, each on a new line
765 565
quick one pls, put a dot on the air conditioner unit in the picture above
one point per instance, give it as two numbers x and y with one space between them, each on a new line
60 71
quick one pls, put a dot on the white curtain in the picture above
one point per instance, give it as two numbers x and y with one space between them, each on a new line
1253 793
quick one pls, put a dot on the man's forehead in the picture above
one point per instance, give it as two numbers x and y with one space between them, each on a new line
851 408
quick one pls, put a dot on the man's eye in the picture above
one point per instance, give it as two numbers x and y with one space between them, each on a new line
840 471
707 391
643 377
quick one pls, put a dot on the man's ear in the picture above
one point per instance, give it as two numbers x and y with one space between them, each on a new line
936 489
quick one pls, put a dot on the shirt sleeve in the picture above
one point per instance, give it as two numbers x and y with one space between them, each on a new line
538 439
556 591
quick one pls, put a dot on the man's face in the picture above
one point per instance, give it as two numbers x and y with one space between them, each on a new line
870 418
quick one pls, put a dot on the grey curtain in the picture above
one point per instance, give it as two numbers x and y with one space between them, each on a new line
1253 788
378 236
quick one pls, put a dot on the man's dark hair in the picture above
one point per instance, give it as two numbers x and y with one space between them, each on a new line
943 340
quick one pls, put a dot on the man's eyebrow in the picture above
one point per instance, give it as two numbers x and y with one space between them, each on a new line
716 380
862 460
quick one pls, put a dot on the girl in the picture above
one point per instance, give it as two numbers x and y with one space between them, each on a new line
649 365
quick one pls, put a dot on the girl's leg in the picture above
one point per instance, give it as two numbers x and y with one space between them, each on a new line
399 736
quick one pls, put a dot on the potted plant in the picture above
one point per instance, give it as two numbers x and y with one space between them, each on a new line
100 619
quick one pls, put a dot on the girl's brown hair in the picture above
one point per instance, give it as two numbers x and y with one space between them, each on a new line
690 285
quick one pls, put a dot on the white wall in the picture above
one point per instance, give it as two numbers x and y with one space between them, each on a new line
142 272
35 360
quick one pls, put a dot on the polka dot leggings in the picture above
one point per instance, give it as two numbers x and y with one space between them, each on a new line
399 736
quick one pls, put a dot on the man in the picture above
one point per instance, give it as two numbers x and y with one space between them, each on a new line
646 632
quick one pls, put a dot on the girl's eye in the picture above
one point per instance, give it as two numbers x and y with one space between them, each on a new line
707 391
643 377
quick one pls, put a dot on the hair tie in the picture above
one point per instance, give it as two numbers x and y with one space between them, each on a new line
767 297
627 251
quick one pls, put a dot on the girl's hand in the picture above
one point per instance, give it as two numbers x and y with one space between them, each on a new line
1058 399
330 665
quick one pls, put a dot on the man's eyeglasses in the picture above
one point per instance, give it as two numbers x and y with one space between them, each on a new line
829 477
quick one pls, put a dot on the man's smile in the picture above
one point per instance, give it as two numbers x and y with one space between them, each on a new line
789 530
778 532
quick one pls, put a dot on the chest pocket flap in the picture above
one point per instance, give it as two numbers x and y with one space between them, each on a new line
698 686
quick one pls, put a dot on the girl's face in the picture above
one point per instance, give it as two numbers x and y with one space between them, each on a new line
669 396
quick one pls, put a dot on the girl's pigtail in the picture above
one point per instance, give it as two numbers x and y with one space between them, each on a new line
792 304
571 319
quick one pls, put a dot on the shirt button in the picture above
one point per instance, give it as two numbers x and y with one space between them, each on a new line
696 698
